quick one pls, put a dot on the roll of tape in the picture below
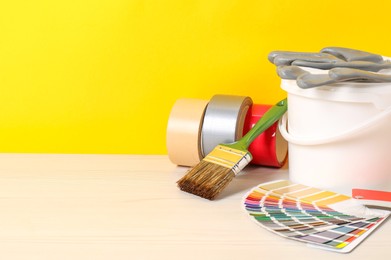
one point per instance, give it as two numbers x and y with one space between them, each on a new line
269 148
224 120
184 131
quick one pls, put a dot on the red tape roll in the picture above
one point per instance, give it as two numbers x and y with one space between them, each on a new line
269 148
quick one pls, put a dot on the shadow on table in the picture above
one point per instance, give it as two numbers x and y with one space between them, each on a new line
252 176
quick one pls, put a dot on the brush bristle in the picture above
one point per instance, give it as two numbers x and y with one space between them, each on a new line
206 180
209 177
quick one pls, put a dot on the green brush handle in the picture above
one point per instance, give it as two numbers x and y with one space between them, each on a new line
266 121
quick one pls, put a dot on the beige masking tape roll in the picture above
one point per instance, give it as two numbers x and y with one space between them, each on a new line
184 131
224 120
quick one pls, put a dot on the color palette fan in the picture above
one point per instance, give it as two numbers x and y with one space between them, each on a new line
323 219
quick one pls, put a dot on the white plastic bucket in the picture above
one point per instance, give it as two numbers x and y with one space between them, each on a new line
339 135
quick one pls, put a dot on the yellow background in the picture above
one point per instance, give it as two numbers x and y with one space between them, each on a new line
100 76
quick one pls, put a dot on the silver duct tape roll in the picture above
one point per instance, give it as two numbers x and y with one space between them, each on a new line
183 140
224 120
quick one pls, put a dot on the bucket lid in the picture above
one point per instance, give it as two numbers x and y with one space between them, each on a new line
379 94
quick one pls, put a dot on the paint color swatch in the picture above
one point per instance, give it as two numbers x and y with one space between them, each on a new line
323 219
373 197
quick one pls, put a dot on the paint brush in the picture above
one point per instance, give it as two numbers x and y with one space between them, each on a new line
210 176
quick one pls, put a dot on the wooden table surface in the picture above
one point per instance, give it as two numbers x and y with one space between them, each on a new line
67 206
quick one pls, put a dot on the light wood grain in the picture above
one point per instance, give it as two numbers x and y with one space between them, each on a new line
128 207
